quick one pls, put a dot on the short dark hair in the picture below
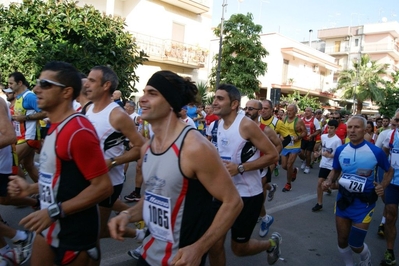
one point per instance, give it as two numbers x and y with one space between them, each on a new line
332 123
232 91
67 74
378 119
108 75
18 76
269 102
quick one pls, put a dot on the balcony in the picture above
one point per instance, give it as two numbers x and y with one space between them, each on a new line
171 52
343 49
195 6
333 33
382 48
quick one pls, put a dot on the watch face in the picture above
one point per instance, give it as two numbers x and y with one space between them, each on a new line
53 210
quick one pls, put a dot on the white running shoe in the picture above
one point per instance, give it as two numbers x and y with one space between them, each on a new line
307 170
303 165
135 253
274 254
265 225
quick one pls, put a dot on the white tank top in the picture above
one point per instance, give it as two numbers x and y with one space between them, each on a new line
232 147
111 140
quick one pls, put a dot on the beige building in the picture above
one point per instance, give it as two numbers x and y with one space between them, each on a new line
346 44
293 66
174 34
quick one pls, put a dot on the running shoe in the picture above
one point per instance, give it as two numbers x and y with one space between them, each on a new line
140 234
132 197
135 253
389 259
10 258
294 173
307 170
265 225
287 187
328 191
276 172
274 254
259 219
317 207
24 247
303 165
381 229
273 190
367 261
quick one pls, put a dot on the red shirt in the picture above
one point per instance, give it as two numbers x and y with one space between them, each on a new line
340 132
210 118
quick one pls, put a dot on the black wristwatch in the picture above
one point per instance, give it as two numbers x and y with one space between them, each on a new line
54 211
241 169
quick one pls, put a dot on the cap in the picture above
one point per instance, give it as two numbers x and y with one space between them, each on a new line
8 90
184 107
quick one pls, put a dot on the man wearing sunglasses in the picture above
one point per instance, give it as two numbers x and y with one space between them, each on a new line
73 176
113 125
26 117
253 109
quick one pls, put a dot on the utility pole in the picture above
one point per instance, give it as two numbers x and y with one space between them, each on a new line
220 45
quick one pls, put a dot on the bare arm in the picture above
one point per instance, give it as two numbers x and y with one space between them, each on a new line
208 168
123 123
271 134
250 131
7 132
301 129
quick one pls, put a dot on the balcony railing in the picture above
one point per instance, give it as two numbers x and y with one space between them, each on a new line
376 47
196 6
172 52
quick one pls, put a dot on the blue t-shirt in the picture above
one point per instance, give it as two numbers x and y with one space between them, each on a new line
360 160
29 102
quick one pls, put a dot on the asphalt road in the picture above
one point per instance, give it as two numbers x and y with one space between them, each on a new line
309 238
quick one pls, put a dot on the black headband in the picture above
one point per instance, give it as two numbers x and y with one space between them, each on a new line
167 90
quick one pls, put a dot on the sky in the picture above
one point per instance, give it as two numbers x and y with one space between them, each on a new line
294 18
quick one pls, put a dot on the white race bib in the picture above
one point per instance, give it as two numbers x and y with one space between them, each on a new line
395 158
353 183
157 214
308 129
17 127
46 193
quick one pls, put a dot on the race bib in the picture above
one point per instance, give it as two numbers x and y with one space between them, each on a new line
157 216
308 129
17 127
45 190
353 183
395 158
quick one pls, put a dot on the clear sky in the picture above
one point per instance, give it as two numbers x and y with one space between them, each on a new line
294 18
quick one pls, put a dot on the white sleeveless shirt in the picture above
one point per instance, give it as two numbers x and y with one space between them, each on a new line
111 140
231 147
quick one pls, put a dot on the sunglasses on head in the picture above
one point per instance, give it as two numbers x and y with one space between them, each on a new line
46 83
250 108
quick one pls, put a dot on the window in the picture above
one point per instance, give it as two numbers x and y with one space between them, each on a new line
356 42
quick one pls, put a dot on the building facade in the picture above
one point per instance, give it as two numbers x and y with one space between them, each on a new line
174 34
347 44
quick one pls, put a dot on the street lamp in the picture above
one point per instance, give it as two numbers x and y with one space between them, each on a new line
220 45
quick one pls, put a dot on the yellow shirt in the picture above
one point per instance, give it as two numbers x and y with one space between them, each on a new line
290 127
276 124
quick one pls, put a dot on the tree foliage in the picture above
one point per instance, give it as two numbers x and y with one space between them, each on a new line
242 54
391 94
35 32
363 82
301 101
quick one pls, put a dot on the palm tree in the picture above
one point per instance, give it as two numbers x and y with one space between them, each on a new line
363 82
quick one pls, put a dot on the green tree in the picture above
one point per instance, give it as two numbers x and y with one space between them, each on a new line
242 54
35 32
301 101
391 95
364 82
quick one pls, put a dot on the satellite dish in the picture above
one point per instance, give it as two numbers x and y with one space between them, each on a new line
384 19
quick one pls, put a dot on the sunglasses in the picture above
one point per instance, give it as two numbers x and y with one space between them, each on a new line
250 109
46 83
396 120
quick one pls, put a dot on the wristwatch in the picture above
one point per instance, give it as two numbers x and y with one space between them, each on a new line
54 211
241 169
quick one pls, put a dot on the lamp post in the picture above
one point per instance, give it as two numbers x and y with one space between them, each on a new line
220 45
